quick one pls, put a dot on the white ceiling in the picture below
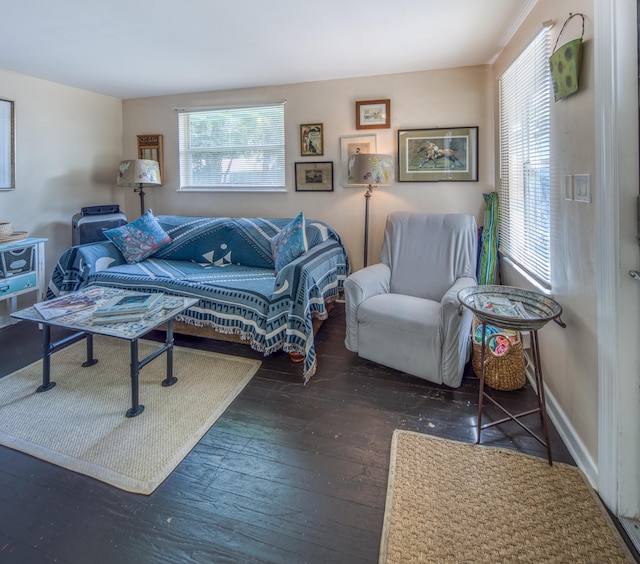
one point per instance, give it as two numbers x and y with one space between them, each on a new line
136 48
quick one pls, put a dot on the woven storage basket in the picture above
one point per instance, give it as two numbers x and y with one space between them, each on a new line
505 372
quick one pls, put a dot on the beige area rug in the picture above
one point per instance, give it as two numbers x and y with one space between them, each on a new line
456 502
80 424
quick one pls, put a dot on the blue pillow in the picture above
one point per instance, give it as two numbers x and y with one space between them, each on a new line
140 238
290 243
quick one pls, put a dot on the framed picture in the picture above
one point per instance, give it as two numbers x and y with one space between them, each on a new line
373 114
352 145
431 155
150 147
314 177
7 146
311 140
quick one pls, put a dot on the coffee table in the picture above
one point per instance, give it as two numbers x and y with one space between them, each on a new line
75 311
513 308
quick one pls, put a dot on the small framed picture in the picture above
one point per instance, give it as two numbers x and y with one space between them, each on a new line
350 146
314 177
432 155
373 114
311 140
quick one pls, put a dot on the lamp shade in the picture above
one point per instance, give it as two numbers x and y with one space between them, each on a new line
138 171
369 169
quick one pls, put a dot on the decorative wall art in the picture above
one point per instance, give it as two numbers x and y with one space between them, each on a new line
350 146
150 148
314 177
431 155
7 146
373 114
311 140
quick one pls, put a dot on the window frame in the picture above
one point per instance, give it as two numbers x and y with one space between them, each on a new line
234 146
524 188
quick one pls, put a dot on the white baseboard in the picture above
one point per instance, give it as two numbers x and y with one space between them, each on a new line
570 438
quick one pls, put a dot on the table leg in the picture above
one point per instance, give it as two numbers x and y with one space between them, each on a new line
91 360
542 403
136 408
170 380
481 392
47 349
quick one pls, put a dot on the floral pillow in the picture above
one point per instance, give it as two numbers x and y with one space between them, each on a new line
140 238
290 243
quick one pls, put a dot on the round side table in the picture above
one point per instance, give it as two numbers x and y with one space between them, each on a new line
522 310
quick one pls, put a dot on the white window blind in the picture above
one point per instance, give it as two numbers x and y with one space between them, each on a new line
524 197
232 148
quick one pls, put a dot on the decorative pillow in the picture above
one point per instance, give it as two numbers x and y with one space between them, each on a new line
290 243
140 238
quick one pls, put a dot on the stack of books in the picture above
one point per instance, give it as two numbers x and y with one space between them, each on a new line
128 308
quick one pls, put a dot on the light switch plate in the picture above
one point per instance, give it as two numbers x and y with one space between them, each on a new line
582 187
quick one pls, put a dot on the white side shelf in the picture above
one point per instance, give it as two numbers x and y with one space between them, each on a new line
21 271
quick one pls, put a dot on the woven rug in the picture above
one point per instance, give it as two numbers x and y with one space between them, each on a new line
80 424
456 502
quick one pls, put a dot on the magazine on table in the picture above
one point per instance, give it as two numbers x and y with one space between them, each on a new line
501 305
71 303
129 304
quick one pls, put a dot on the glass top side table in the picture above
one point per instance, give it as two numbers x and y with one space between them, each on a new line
522 310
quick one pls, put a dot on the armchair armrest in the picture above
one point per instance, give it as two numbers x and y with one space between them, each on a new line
455 322
363 284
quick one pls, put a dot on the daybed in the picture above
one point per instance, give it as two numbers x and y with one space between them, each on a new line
228 264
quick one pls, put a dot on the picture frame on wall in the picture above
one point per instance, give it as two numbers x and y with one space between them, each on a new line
314 176
435 155
373 114
351 145
150 147
7 145
311 140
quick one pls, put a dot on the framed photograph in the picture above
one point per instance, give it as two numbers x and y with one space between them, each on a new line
150 147
352 145
314 177
7 146
432 155
373 114
311 140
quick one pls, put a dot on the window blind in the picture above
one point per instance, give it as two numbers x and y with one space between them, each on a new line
232 148
524 188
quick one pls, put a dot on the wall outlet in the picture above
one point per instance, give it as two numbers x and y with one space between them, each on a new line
582 187
568 187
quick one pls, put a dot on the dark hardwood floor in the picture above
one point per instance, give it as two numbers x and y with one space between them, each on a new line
289 473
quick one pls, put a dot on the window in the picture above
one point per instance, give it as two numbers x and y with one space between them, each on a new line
524 217
232 148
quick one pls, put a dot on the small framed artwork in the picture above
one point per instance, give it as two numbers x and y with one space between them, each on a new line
150 147
311 140
373 114
7 146
350 146
432 155
314 177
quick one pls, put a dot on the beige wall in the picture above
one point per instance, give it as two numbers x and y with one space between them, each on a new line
569 356
68 144
456 97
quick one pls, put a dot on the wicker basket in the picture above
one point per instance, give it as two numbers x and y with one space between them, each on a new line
505 372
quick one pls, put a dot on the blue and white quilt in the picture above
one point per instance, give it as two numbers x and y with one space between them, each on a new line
227 264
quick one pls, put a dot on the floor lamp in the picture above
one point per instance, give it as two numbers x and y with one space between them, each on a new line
138 172
369 169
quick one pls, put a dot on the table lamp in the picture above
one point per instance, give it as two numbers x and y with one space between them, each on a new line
370 169
138 172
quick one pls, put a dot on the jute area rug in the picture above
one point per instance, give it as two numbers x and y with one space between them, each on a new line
455 502
80 424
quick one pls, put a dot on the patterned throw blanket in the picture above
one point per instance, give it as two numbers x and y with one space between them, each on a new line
227 264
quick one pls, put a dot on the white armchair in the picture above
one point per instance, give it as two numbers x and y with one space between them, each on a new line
404 312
